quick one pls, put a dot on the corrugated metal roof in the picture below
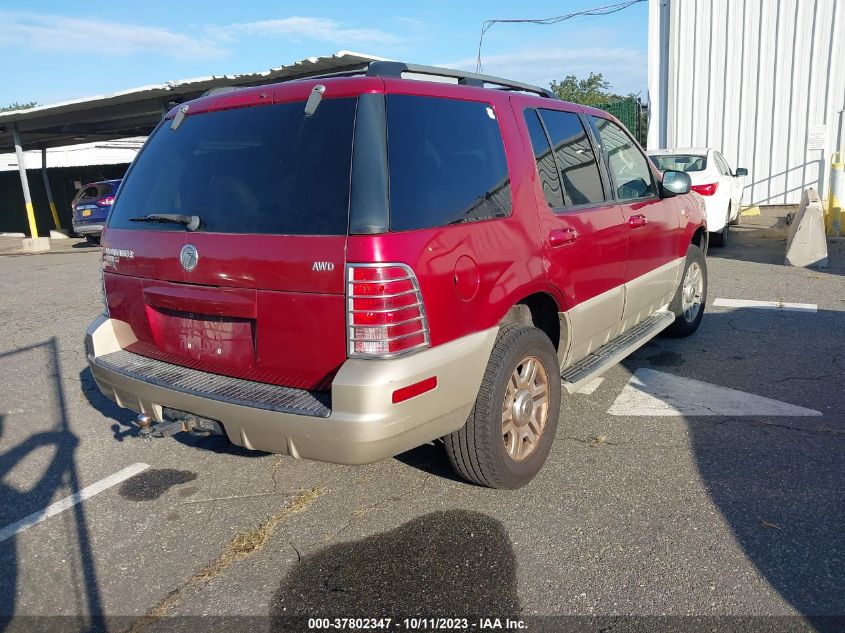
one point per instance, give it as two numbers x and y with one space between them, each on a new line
136 112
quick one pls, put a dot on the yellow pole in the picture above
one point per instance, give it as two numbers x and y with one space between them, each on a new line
30 215
835 199
49 190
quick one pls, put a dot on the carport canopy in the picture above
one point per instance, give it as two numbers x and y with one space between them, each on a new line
135 112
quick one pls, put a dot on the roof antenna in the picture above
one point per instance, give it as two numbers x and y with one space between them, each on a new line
314 99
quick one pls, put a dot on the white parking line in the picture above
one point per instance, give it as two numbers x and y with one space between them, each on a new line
591 386
766 305
68 502
655 393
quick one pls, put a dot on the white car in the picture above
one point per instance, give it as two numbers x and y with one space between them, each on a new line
713 179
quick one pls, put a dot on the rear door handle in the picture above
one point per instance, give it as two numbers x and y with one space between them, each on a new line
637 221
562 237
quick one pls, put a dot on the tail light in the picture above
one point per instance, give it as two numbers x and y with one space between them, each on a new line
706 190
385 311
104 202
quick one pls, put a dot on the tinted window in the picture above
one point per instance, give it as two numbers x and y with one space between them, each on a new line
266 169
628 166
579 171
94 191
680 162
722 164
546 166
446 161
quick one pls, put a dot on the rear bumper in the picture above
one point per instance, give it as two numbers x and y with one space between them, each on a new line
88 229
362 426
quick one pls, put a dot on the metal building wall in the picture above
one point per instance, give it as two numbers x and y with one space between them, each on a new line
750 78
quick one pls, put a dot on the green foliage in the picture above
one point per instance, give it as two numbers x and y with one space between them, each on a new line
593 90
18 106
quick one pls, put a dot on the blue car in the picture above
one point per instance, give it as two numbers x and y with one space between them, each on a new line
91 207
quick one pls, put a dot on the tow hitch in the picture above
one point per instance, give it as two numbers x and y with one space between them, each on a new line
177 422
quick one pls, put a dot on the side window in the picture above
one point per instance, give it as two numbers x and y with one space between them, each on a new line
446 161
576 161
629 168
546 166
722 164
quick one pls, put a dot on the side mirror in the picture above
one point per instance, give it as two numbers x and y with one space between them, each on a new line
676 183
740 171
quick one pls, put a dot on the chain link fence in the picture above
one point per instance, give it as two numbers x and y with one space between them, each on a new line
632 114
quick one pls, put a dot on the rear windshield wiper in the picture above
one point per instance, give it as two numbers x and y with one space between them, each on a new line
192 222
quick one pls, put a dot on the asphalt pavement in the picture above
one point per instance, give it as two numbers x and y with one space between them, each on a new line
661 517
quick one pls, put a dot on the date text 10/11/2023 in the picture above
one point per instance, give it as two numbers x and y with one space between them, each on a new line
416 624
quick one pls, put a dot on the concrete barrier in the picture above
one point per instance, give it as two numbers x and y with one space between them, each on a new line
806 243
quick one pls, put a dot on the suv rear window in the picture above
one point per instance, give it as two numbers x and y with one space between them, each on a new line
264 169
93 191
680 162
446 161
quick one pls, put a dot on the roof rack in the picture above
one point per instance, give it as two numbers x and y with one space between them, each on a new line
391 69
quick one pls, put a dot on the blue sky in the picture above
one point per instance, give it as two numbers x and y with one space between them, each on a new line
49 53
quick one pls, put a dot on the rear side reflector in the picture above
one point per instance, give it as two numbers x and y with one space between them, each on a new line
385 311
706 190
406 393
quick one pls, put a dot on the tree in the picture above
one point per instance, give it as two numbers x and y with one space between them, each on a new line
593 90
18 106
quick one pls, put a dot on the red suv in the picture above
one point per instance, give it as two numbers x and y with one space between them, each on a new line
344 268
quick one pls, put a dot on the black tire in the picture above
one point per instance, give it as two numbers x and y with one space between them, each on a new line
477 451
738 220
93 239
682 326
720 239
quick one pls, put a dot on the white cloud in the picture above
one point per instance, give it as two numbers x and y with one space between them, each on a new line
305 28
56 33
626 69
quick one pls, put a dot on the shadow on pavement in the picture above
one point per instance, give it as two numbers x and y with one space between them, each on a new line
430 458
778 482
58 480
444 564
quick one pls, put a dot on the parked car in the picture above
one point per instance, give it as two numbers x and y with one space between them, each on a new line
713 179
345 268
91 207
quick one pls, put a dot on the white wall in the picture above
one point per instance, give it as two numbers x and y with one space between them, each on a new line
101 153
750 78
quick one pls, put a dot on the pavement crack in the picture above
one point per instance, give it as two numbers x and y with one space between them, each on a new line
811 378
600 440
240 546
298 555
360 512
334 589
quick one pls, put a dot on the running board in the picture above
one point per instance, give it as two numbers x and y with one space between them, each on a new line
576 376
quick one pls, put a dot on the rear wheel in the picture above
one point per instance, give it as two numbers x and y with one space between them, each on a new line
721 238
738 220
510 430
691 296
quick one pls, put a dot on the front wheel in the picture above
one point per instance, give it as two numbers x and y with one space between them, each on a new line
510 430
691 296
